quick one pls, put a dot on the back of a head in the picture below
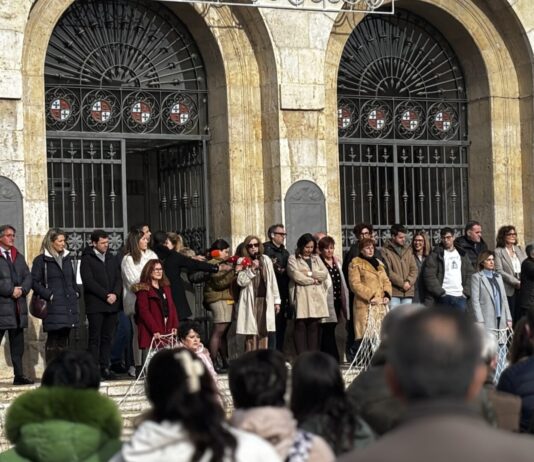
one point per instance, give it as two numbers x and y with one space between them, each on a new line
74 369
434 354
159 237
258 378
394 316
180 388
315 381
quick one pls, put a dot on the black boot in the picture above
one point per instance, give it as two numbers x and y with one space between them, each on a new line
106 374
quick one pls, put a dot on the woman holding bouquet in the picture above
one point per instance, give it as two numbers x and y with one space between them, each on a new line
259 300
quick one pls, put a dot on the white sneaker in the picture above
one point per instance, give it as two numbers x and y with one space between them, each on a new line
131 371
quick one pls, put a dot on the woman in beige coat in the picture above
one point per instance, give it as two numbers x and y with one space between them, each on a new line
307 293
371 287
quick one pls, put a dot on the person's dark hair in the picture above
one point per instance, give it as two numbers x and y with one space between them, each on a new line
434 353
360 227
187 325
398 228
501 235
148 269
189 398
482 257
258 378
4 228
138 227
326 242
365 242
529 249
272 229
521 343
318 390
98 234
219 244
159 237
470 224
132 245
73 369
445 231
303 241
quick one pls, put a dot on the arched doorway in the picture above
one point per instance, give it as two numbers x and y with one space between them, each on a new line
126 113
402 120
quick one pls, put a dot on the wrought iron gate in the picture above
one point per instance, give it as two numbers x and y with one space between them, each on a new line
121 73
403 148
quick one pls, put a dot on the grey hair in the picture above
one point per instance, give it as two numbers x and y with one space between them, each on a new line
490 346
3 229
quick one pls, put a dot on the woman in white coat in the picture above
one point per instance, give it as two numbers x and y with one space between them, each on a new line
307 293
186 421
488 296
259 299
137 254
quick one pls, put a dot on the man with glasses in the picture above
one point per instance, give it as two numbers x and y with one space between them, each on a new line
276 251
15 283
447 274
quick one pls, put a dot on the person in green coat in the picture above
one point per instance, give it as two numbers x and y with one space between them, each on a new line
66 419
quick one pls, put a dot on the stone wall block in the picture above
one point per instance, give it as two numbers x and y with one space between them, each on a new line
301 97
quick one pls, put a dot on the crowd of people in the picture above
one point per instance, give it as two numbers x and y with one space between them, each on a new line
434 366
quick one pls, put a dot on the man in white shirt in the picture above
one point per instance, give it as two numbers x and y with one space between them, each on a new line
447 274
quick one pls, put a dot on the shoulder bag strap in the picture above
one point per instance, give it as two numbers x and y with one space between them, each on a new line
45 273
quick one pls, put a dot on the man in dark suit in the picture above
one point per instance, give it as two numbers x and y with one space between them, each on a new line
102 285
15 283
435 366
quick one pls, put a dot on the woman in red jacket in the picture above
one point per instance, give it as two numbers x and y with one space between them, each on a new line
155 313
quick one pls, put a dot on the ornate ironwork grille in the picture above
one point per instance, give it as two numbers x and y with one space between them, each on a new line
117 73
403 149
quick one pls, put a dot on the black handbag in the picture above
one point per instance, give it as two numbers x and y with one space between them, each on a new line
38 305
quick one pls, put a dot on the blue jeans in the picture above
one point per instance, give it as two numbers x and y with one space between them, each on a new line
397 301
121 350
458 303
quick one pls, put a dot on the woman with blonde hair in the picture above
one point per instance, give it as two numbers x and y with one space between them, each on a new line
259 299
54 279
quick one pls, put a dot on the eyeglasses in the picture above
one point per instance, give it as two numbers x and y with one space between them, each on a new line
511 234
281 234
251 245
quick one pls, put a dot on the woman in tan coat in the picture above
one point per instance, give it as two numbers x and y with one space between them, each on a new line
371 287
307 293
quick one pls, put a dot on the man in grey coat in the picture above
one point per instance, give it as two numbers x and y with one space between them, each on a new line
15 283
435 367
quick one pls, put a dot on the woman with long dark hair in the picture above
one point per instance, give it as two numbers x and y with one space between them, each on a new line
186 422
508 259
307 293
155 311
136 255
321 405
54 279
421 249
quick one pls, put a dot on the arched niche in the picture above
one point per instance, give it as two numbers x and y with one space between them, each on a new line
305 211
12 211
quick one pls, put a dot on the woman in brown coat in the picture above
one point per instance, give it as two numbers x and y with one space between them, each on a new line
371 287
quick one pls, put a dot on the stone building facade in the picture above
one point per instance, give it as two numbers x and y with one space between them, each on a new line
271 134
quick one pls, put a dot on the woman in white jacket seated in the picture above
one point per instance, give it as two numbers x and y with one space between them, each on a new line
186 422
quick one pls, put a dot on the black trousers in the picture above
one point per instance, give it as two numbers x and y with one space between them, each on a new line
16 348
101 331
56 342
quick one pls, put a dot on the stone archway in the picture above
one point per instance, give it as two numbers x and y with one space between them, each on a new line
499 120
235 97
